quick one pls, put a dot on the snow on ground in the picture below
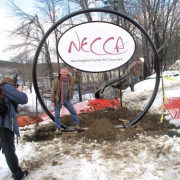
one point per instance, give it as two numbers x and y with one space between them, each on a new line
144 89
143 159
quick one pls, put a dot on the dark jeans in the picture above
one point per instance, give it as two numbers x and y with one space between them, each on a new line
10 155
70 108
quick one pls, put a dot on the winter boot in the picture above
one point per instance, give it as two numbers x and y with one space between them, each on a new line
23 175
58 131
78 128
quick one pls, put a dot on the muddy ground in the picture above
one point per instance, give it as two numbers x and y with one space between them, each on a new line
107 126
104 132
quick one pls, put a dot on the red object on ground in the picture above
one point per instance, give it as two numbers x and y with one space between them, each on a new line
81 107
99 104
26 120
173 107
87 106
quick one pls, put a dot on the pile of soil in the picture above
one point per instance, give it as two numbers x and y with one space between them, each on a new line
108 126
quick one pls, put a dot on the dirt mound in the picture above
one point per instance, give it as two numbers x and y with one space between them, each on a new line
108 125
105 126
100 130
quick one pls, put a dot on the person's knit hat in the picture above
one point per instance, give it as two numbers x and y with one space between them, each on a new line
142 59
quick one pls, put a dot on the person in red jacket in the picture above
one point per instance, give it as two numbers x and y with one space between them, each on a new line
134 72
9 126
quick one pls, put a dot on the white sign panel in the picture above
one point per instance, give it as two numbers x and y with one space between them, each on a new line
96 46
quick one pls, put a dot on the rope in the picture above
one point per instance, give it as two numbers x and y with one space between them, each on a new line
163 101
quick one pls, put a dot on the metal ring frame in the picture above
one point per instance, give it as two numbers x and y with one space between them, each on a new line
55 25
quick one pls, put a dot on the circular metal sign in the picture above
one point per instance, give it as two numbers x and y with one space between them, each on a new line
96 46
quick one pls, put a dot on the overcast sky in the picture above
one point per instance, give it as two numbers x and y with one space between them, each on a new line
7 23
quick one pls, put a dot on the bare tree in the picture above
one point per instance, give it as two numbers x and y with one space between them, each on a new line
30 29
159 18
25 68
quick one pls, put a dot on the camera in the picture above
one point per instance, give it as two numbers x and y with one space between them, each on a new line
17 82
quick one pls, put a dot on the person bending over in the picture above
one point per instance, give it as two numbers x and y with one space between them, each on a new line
134 71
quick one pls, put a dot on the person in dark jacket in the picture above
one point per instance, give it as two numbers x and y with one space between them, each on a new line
134 71
13 97
62 92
